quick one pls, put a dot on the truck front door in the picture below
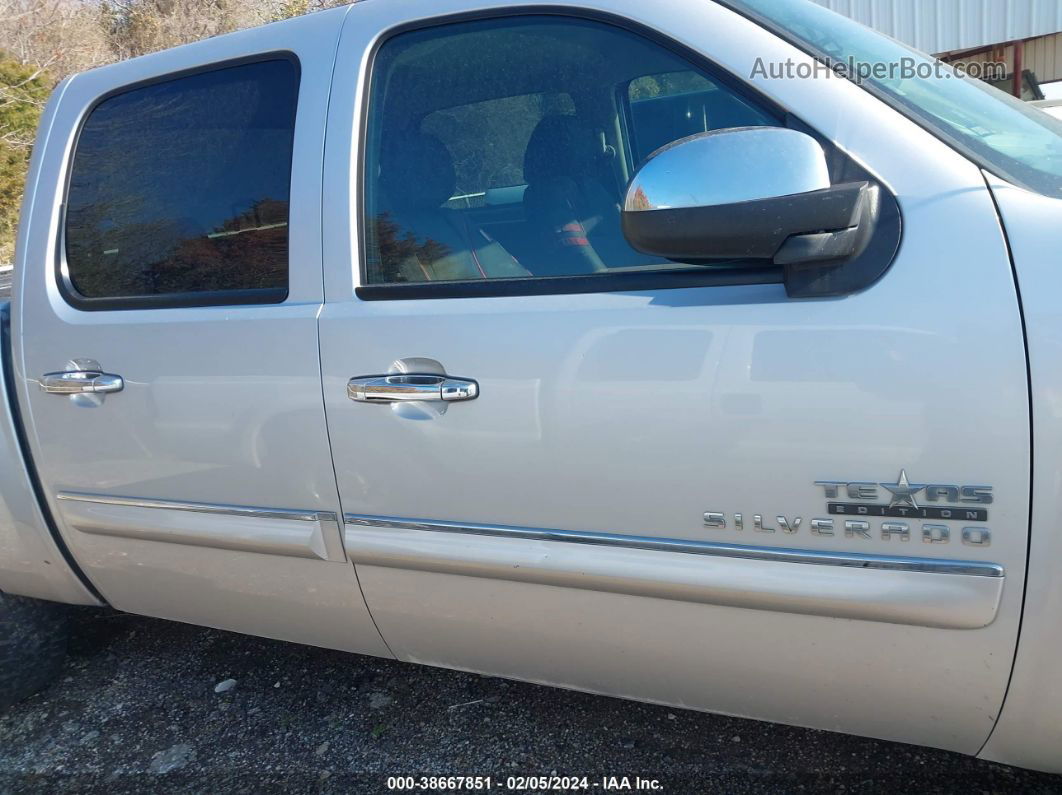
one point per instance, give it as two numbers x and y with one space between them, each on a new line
639 477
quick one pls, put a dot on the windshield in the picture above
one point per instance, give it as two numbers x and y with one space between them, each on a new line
1001 133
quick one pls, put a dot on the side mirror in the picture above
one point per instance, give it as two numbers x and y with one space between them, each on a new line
760 193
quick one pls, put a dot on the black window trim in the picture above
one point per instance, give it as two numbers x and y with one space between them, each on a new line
624 281
185 300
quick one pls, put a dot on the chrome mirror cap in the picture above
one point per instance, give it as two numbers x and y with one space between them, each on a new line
729 166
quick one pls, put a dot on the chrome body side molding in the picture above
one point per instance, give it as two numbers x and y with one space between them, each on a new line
270 531
918 591
776 554
229 510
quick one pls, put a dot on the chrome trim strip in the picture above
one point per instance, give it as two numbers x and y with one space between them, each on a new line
775 554
173 505
241 528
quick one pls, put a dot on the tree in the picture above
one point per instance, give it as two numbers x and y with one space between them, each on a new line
56 36
23 92
136 27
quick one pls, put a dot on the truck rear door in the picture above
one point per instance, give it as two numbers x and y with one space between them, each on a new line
633 477
166 332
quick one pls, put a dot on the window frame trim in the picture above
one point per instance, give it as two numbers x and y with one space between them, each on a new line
624 281
576 284
183 300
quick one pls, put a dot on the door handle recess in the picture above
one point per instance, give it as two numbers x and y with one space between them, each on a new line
77 382
398 387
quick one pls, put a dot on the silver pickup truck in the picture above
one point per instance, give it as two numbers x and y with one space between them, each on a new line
707 353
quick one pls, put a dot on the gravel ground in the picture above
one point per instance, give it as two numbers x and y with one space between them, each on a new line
136 709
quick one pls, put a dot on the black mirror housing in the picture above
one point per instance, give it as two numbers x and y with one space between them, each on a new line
828 224
752 197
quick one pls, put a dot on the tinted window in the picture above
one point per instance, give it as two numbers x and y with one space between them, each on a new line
484 173
181 188
501 149
670 106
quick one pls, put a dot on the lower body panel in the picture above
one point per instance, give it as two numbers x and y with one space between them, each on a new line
790 642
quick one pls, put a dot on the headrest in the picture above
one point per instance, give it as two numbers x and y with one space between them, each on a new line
560 146
416 171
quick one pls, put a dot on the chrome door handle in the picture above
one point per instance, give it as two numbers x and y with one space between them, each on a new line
77 382
398 387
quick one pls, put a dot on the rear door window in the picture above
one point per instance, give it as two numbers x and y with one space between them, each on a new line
179 191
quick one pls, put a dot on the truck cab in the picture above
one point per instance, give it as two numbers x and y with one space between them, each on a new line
569 342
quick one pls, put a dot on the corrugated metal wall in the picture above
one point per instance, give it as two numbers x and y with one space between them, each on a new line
1043 57
940 26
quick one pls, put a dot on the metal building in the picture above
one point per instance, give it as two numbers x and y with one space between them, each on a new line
1025 34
